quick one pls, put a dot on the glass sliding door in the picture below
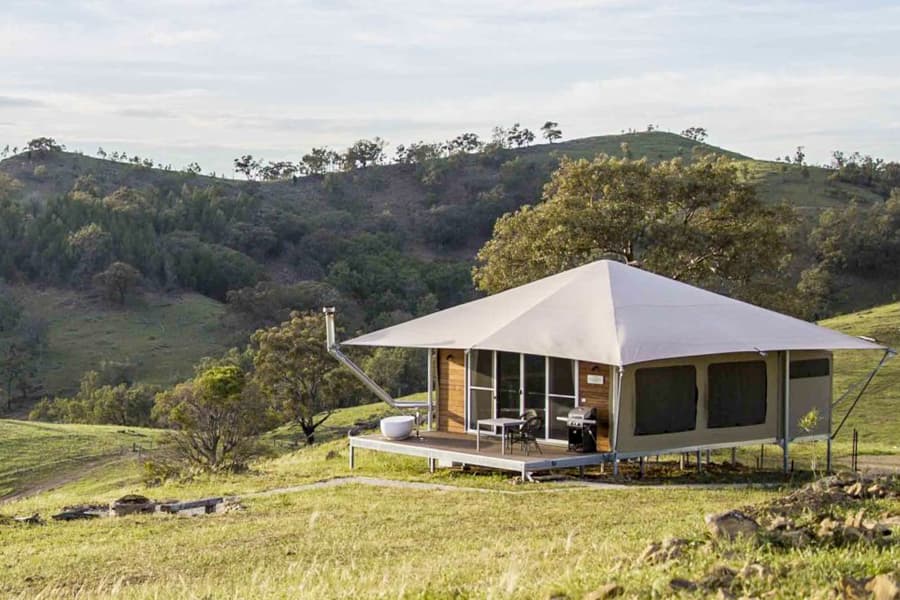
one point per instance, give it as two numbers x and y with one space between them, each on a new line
561 394
534 369
506 384
481 386
509 385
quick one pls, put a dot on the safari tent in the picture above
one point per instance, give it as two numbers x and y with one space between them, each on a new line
668 368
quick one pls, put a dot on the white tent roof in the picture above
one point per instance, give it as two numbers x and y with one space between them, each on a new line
611 313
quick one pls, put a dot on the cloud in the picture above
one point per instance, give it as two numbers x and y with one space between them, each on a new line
184 37
19 102
146 113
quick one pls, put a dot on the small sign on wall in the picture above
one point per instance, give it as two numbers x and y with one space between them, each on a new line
596 379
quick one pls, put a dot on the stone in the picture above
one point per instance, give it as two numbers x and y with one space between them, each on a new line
883 587
610 590
753 570
779 523
649 553
827 527
856 490
719 576
731 525
854 519
795 539
679 584
34 519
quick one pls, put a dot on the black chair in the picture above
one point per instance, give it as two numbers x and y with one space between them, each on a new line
527 433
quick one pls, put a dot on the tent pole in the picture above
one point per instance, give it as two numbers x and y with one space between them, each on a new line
787 409
615 432
430 376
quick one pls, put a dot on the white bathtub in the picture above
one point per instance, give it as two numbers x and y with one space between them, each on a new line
397 428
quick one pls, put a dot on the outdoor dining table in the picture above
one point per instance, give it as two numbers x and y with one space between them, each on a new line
503 423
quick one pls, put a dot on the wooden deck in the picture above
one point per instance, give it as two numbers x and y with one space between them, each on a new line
459 448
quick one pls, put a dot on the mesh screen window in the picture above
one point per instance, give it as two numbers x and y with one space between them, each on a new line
816 367
737 394
666 400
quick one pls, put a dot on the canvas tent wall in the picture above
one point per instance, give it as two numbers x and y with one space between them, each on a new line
721 400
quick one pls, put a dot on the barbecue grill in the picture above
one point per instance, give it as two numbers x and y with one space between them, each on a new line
582 424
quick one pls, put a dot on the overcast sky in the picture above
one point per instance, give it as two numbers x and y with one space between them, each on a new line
206 80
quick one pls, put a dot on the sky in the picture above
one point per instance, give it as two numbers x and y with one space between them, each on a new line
208 80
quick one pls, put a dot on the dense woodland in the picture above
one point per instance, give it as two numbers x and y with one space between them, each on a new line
387 242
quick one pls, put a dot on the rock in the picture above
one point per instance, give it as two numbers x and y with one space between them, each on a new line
852 534
669 549
649 554
795 539
876 490
610 590
34 519
354 431
719 577
753 570
856 490
779 523
74 515
854 519
883 587
679 584
731 525
132 504
827 528
852 588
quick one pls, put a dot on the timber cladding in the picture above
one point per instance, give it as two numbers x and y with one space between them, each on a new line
597 396
451 391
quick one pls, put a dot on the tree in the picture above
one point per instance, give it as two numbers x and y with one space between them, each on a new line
117 280
293 368
318 161
696 134
91 247
247 166
551 131
364 153
10 312
519 136
42 146
697 223
799 156
193 169
18 367
216 417
276 171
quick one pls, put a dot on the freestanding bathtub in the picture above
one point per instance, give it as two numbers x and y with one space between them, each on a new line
397 428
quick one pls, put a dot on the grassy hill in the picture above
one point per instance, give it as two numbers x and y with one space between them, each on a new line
876 416
36 453
162 336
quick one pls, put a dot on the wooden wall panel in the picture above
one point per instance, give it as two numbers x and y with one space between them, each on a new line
451 391
596 395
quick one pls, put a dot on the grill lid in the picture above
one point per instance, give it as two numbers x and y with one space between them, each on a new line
583 412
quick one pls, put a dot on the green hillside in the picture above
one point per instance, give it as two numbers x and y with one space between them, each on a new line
877 416
161 336
40 452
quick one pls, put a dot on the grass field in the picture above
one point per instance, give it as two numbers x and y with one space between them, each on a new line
162 336
35 452
499 540
876 416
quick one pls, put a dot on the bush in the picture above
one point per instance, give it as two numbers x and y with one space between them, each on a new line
217 418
